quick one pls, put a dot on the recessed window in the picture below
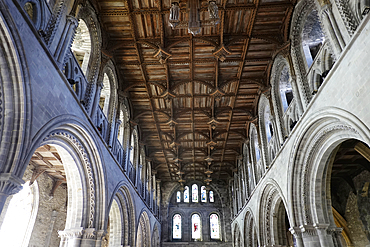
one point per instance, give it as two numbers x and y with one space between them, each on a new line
203 193
178 196
196 227
186 194
211 197
215 226
194 196
176 227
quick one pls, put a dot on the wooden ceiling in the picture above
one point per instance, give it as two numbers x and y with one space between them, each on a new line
180 85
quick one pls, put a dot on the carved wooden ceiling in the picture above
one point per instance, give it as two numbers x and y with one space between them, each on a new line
193 97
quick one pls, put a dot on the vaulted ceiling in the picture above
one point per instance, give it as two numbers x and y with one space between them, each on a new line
193 97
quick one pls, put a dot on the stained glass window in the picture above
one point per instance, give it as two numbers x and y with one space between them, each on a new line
178 196
211 198
203 194
186 194
195 225
215 226
194 189
176 231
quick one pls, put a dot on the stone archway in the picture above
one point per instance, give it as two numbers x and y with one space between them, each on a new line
143 238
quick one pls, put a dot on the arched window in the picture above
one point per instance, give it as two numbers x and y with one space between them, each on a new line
214 226
285 88
203 193
196 227
178 196
312 37
194 195
186 194
121 129
132 148
105 95
176 228
256 146
20 217
268 124
211 197
81 46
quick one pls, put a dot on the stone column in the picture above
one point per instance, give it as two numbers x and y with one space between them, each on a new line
65 40
297 96
158 195
71 237
297 234
309 236
325 239
9 185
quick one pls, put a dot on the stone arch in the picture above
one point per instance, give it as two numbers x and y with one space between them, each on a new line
15 104
127 211
256 159
87 14
283 114
320 136
302 10
143 237
86 217
109 70
250 230
269 141
272 210
35 11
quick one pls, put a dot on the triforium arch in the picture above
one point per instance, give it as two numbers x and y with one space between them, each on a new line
108 72
255 148
85 177
282 85
273 216
267 129
250 230
312 213
302 10
15 100
143 238
87 14
127 211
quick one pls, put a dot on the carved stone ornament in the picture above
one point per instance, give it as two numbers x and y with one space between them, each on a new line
162 55
213 12
221 52
174 14
88 169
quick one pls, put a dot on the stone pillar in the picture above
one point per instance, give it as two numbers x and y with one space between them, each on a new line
138 177
158 196
65 40
9 185
297 234
309 236
297 96
70 237
336 235
325 239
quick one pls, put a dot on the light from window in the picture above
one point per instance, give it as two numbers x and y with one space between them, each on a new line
132 149
215 226
178 196
195 225
186 194
20 217
211 198
176 227
194 196
203 194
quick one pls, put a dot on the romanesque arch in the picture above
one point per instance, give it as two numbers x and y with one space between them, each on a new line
250 230
311 208
273 216
143 238
15 99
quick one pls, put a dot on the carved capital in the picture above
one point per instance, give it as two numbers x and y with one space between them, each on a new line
71 233
9 184
89 233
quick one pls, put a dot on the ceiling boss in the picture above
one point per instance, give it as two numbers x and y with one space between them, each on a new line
194 23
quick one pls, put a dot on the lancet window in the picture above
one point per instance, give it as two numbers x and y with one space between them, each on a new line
196 227
214 223
203 194
186 194
176 229
194 196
